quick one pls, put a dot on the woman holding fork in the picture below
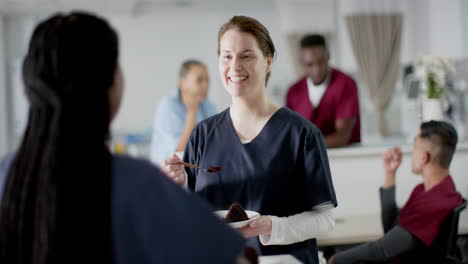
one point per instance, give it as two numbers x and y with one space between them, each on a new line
272 160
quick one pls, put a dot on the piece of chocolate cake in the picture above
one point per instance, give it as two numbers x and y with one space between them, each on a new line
236 213
213 169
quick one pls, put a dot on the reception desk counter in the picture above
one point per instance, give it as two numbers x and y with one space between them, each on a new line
357 175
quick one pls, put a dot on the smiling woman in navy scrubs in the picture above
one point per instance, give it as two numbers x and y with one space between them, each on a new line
65 198
273 160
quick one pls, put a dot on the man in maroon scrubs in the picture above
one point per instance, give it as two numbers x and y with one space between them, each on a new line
411 231
326 96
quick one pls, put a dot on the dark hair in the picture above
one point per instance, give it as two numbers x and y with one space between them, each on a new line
56 201
256 29
313 40
443 138
185 67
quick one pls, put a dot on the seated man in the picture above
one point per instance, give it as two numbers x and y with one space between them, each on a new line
178 113
326 96
417 225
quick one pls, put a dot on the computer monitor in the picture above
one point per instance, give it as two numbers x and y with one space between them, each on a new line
413 89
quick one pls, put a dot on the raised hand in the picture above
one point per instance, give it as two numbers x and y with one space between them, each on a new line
392 159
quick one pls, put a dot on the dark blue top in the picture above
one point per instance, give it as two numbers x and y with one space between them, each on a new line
283 171
155 221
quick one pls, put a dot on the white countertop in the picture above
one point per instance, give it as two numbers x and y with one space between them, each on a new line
357 229
378 149
278 259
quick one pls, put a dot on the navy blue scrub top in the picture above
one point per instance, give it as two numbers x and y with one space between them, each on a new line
281 172
156 221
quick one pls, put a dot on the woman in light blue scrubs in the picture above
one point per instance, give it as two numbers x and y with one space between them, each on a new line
65 197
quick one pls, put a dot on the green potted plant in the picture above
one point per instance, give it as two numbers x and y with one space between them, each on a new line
434 72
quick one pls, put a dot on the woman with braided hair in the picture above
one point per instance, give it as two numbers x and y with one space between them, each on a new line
65 197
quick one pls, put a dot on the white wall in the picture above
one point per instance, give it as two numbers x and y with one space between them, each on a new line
18 31
14 34
463 11
350 7
153 47
151 60
3 94
348 63
445 25
358 175
153 44
429 26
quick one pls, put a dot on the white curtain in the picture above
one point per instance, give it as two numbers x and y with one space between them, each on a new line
294 52
375 39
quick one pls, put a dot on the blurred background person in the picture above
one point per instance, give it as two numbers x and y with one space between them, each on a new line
410 232
178 113
326 96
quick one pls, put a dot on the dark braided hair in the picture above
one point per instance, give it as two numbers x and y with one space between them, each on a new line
57 197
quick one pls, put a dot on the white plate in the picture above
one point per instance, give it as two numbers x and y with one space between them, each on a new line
252 215
278 259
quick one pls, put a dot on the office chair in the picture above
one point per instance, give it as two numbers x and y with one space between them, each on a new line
445 246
